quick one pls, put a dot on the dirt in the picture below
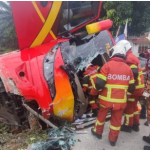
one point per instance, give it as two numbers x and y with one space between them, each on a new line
20 141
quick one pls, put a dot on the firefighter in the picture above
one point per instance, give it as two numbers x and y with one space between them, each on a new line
112 83
88 79
131 121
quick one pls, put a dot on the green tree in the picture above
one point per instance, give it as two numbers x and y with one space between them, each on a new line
140 18
8 38
137 13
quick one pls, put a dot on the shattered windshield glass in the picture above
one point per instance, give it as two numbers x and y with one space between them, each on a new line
58 139
79 55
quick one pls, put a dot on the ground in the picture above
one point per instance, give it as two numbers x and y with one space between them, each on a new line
22 140
126 141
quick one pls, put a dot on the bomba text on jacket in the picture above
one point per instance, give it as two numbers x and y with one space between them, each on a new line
118 77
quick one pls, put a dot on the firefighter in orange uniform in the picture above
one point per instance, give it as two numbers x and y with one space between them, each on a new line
112 84
88 80
131 121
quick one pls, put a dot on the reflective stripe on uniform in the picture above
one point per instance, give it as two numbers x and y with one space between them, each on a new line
112 86
85 85
90 87
85 76
98 68
128 116
112 99
128 93
131 99
133 66
140 73
92 82
91 79
139 80
102 106
131 81
101 76
116 86
136 113
92 102
139 86
114 128
99 123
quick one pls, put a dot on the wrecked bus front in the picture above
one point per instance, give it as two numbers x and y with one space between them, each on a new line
38 22
55 49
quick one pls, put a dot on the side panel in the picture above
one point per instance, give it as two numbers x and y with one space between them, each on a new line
38 22
33 21
63 103
22 74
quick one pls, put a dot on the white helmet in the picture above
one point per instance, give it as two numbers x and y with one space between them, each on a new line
126 44
117 50
88 65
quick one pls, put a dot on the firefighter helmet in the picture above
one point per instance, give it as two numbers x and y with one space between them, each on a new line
117 50
88 65
126 44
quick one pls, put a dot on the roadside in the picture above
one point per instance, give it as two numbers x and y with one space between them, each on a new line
85 140
126 141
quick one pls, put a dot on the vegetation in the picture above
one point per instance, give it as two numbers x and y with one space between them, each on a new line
8 38
137 13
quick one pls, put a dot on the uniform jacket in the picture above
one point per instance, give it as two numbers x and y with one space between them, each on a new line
134 64
116 77
88 77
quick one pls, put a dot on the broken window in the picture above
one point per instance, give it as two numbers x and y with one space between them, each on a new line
80 53
58 139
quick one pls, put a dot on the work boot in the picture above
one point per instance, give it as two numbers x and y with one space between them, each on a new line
146 123
136 128
146 139
112 143
146 147
126 128
95 134
95 112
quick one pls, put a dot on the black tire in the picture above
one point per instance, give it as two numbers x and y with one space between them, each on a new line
9 119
